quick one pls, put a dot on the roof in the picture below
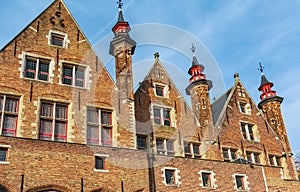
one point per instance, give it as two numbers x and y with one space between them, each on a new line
264 81
218 105
241 160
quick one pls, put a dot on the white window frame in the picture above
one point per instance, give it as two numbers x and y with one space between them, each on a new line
177 176
66 41
26 55
212 179
245 182
104 156
162 109
3 113
252 156
274 160
247 131
7 147
191 146
229 151
86 68
165 151
165 89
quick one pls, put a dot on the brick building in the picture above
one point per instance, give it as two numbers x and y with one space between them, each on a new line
67 126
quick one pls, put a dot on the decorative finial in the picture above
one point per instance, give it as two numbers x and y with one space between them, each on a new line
156 55
193 49
120 4
261 68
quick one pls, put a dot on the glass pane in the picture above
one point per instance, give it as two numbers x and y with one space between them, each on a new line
61 112
67 75
160 144
170 146
233 156
30 68
244 131
141 142
170 176
225 153
43 70
60 129
187 148
46 127
92 116
278 161
57 40
249 157
106 118
167 118
157 117
256 158
159 90
271 160
106 134
196 149
11 105
3 153
93 135
79 73
47 110
206 179
99 163
10 122
79 83
239 182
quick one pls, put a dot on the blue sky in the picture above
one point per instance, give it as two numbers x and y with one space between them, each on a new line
230 36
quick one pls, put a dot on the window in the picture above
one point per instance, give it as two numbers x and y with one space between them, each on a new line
165 147
247 131
159 90
53 121
241 183
253 157
8 115
243 107
162 116
206 179
99 127
3 154
58 39
73 75
191 149
36 68
274 160
171 176
101 163
229 154
141 142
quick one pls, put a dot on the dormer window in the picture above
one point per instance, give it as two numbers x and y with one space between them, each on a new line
57 38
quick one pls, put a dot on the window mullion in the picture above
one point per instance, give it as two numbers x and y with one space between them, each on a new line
53 121
73 78
100 127
37 68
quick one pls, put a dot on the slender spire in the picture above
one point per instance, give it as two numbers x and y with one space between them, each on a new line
264 80
261 68
120 17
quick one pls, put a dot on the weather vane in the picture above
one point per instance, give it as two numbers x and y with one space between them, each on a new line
120 4
193 49
261 68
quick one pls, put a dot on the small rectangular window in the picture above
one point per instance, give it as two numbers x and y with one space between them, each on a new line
57 39
160 145
249 158
271 160
99 162
278 162
157 116
256 158
247 131
170 177
233 154
159 90
196 149
3 154
251 137
167 120
206 179
170 146
243 107
244 131
240 182
141 142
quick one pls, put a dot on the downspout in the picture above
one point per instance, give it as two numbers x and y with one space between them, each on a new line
265 179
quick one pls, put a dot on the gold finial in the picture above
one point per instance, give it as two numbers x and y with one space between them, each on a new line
236 77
